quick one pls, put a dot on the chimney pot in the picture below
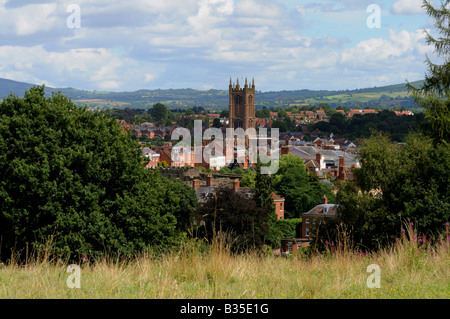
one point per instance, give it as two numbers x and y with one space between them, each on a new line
236 184
209 180
196 183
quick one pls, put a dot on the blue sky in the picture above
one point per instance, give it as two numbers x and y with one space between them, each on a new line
126 45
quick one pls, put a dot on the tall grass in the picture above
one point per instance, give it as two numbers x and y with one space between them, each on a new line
195 270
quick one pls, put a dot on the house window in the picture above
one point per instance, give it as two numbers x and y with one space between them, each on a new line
307 221
314 221
307 232
281 206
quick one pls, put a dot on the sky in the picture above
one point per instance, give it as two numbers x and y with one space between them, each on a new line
127 45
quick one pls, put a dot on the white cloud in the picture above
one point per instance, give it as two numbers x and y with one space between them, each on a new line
408 7
178 43
149 77
28 19
383 52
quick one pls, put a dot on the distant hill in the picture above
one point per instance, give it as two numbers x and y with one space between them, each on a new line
385 96
8 86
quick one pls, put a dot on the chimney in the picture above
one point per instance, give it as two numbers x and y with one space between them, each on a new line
341 161
324 199
342 175
236 185
209 180
196 184
318 157
285 150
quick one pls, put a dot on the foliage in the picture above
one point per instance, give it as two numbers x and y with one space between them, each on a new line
285 228
362 126
181 201
217 123
301 191
435 91
160 114
72 174
264 200
232 212
249 179
414 180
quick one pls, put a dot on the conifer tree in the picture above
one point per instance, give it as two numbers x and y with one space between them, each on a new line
435 92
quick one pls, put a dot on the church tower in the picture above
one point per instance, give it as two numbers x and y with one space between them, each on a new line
242 105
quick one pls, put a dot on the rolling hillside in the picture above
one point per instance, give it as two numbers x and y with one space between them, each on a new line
218 99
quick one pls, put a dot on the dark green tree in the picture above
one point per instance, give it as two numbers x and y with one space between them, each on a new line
217 123
159 113
237 215
73 174
181 201
435 92
396 185
301 191
225 114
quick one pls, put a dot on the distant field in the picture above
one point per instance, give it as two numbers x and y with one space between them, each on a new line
99 102
360 98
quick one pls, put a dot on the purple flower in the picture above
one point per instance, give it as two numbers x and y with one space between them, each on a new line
411 223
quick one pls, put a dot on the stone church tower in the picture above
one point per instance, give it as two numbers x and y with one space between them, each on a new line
242 105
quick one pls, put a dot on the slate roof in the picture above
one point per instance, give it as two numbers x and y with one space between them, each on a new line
319 210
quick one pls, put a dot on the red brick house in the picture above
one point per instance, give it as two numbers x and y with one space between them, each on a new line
152 156
317 215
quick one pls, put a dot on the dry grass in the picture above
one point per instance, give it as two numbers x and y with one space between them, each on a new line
196 271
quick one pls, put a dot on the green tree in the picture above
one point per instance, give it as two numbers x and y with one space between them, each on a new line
414 184
301 191
248 180
73 174
217 123
181 201
237 215
225 114
435 92
159 113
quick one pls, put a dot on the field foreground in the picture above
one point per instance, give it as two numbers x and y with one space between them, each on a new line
193 272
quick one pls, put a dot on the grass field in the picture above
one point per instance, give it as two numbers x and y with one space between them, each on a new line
196 271
358 97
